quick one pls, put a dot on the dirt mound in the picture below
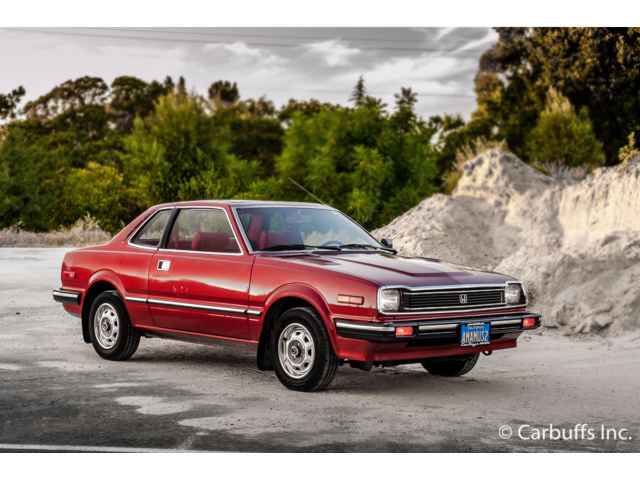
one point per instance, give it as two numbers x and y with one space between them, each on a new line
576 245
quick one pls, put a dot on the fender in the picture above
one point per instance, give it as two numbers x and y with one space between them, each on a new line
309 294
101 275
106 276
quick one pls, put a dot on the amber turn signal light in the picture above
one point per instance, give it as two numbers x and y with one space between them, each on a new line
404 331
350 299
528 322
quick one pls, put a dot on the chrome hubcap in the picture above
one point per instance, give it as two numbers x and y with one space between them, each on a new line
296 350
106 326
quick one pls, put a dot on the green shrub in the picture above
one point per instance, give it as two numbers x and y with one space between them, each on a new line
563 137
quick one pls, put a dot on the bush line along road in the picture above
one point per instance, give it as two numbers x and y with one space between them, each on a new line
114 150
170 395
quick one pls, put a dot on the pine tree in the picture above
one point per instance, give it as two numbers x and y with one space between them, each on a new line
359 94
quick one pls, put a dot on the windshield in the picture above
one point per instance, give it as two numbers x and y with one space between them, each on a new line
292 228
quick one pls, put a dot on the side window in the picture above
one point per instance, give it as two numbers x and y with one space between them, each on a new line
151 234
203 230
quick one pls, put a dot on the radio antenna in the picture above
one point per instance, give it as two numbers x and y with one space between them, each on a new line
305 190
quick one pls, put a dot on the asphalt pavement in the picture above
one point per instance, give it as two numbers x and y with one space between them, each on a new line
56 394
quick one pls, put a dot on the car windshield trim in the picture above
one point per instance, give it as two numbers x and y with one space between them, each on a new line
375 247
298 246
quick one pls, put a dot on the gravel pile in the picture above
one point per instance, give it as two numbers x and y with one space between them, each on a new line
576 245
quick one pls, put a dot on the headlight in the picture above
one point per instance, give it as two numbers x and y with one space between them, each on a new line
389 300
514 294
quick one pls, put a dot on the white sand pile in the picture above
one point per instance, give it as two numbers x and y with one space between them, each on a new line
576 245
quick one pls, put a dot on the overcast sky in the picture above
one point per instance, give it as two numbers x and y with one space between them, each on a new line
281 63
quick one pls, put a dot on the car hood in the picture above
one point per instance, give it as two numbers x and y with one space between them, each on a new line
388 269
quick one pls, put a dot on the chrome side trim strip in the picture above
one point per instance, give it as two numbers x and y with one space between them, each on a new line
367 327
195 306
136 299
169 303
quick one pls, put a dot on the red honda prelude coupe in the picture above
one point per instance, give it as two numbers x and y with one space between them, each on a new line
300 283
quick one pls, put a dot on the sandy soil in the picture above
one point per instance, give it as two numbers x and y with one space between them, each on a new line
575 244
56 391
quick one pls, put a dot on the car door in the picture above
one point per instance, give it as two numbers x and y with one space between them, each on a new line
199 280
133 260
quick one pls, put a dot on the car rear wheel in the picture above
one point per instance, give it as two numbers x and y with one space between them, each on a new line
303 357
112 334
451 366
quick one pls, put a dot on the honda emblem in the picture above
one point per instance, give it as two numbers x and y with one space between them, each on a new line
463 298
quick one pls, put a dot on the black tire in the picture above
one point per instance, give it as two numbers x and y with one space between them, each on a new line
303 321
451 366
123 338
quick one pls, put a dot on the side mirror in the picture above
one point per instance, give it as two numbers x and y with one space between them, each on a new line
386 242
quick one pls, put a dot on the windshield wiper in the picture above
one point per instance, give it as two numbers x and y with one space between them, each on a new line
298 246
365 246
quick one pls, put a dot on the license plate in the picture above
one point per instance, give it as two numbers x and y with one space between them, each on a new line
474 334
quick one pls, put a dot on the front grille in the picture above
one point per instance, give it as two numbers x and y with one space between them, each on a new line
453 299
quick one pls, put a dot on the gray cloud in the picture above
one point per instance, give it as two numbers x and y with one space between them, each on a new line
281 63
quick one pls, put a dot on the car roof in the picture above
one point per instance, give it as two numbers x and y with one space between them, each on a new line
244 203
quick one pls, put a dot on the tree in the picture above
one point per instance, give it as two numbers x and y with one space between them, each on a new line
224 93
363 161
629 151
594 68
406 99
112 151
9 103
131 97
70 94
30 175
180 153
259 108
308 107
257 138
453 135
563 137
83 191
359 94
376 104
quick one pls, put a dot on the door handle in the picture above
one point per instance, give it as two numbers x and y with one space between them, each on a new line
164 265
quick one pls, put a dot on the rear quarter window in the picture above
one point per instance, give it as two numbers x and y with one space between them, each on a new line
150 234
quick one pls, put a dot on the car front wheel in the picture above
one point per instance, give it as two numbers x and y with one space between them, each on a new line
451 366
303 357
112 334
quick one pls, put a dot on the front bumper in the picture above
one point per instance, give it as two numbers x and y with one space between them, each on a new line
442 330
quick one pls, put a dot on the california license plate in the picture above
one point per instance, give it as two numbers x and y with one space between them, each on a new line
474 334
